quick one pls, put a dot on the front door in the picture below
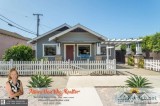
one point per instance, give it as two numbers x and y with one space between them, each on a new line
69 52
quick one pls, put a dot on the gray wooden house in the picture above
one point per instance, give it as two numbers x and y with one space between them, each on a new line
74 43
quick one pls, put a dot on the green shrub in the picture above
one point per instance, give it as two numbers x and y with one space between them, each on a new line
131 60
19 53
40 81
137 82
141 63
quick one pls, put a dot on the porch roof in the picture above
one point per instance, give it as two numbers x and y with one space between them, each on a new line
120 41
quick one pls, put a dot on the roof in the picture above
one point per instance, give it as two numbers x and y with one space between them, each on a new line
78 26
13 34
49 32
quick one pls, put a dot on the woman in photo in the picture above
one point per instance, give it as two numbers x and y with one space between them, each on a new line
14 86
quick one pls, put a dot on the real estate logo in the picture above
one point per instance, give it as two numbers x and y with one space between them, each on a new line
137 96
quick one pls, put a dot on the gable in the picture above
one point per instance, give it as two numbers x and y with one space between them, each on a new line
52 32
79 28
78 37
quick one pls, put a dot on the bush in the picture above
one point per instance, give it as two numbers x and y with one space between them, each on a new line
137 82
131 60
141 63
40 81
19 53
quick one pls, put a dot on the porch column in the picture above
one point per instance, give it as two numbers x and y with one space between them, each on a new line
98 56
128 49
58 56
107 50
98 48
138 55
58 49
128 53
138 48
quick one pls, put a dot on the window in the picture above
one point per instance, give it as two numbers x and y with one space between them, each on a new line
49 50
103 51
84 49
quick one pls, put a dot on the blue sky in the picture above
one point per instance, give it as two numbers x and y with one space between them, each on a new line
111 18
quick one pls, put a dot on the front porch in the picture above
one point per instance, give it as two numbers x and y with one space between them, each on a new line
64 51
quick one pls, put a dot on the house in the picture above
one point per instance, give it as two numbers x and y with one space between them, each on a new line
75 43
8 39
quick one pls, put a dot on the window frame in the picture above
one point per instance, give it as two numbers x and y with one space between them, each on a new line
83 44
44 52
109 53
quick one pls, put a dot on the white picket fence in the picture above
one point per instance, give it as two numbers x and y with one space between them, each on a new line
151 64
59 67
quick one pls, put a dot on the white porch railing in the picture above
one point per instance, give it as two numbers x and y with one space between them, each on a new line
151 64
59 67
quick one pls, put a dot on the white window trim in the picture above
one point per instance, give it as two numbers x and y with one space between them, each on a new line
109 53
65 50
43 50
84 44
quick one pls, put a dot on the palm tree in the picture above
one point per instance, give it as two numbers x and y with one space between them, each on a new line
138 82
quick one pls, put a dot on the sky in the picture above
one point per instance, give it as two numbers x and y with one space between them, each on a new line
110 18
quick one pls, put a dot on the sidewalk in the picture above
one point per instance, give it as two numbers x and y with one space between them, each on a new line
130 70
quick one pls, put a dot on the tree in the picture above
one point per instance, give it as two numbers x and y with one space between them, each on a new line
19 53
156 42
124 46
147 43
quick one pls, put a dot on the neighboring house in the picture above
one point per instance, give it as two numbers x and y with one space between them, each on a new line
74 43
8 39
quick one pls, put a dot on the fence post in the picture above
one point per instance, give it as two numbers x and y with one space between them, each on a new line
107 64
150 66
11 63
69 65
41 66
114 65
87 64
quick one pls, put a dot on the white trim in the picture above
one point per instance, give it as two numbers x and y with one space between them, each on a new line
58 52
107 48
109 51
43 50
83 44
40 36
78 26
98 46
120 41
65 50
